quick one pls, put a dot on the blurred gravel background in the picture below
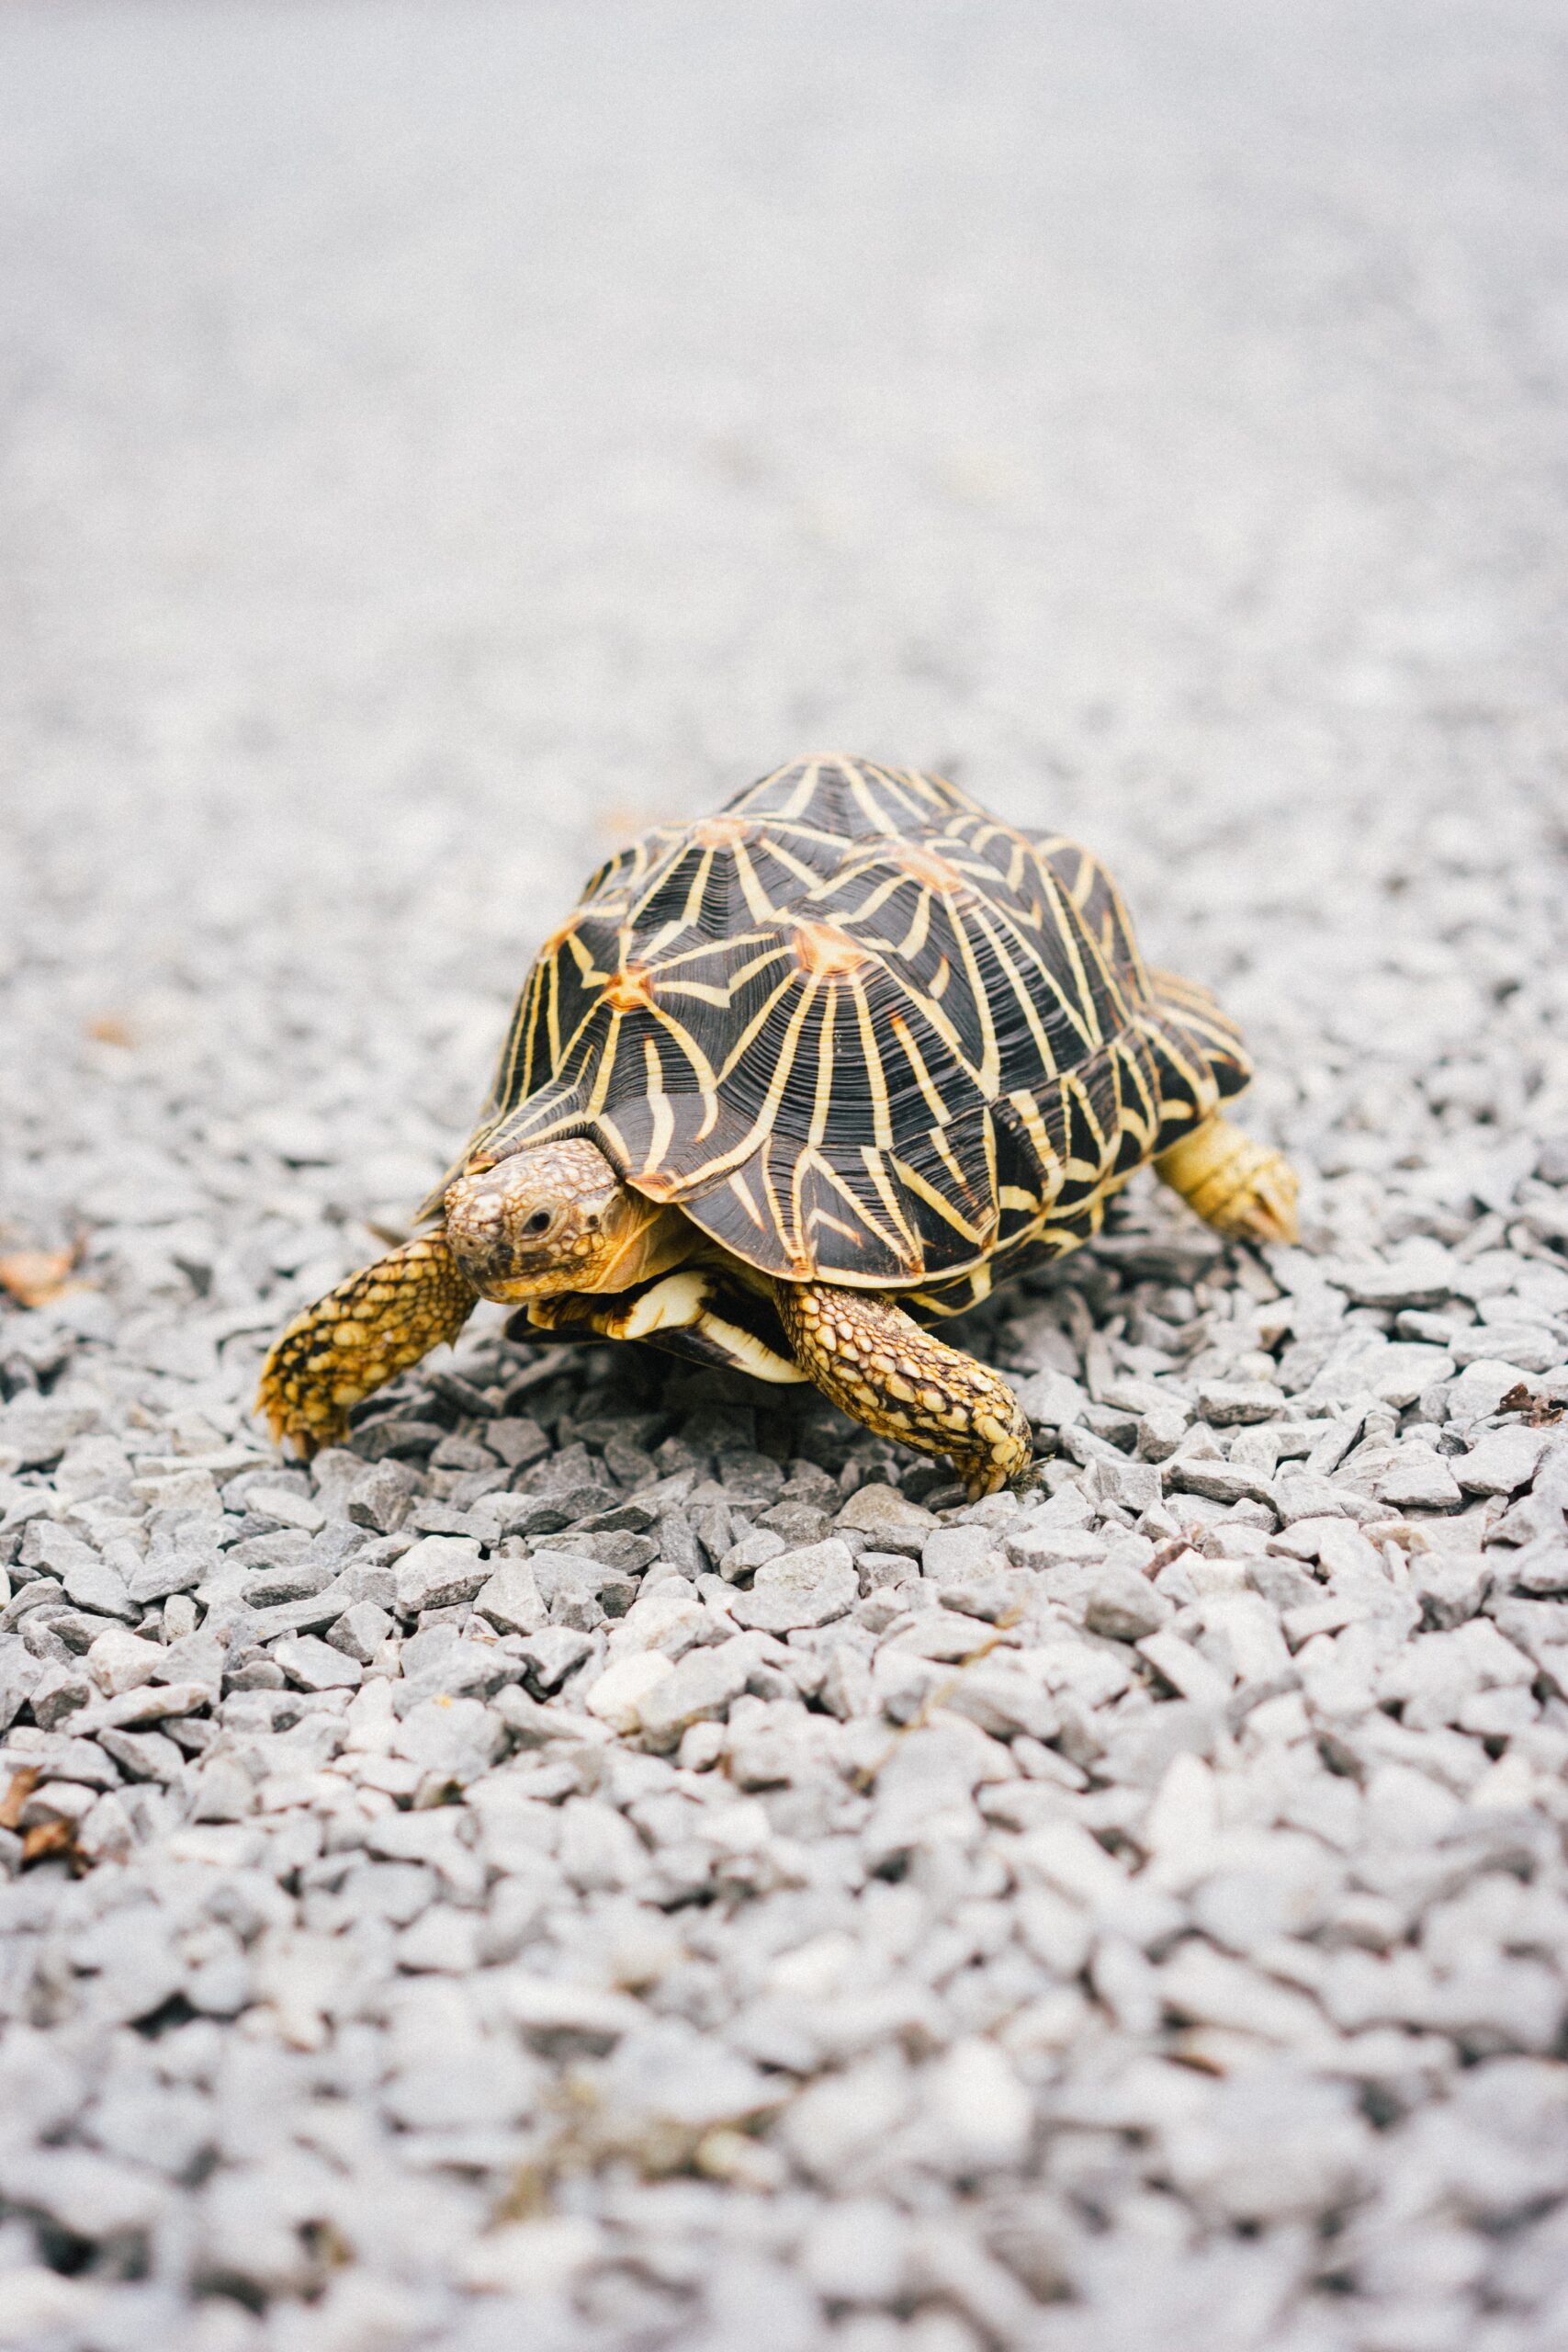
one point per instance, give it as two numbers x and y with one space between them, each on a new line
439 440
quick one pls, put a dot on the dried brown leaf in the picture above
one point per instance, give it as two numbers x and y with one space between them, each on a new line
23 1783
1539 1412
47 1840
34 1277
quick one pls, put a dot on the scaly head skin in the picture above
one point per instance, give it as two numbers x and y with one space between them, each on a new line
555 1219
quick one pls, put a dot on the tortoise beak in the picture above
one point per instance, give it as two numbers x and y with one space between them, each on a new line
497 1239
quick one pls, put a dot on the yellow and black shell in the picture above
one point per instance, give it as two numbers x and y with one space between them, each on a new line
859 1029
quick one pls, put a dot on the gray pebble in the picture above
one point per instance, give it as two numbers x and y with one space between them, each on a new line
142 1754
314 1665
553 1653
1052 1400
809 1587
950 1555
1226 1403
699 1690
361 1631
511 1599
742 1560
1419 1479
1123 1604
1501 1461
437 1571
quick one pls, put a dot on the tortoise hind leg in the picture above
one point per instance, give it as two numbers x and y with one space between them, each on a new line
878 1365
1241 1187
358 1337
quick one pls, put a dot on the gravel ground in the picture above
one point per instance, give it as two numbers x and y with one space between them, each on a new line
469 1893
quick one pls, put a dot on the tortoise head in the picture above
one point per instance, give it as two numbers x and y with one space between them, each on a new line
556 1218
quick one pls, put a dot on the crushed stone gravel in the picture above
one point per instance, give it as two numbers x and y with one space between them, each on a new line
609 1856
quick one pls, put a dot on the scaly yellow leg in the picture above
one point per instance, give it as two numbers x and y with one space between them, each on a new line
1241 1187
879 1367
362 1334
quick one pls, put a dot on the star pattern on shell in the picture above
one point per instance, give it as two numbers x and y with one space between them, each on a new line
858 1028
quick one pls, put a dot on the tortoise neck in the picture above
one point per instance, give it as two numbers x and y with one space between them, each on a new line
653 1241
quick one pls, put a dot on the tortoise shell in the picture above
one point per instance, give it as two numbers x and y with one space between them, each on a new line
859 1029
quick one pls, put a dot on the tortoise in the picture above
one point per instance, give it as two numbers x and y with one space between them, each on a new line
797 1080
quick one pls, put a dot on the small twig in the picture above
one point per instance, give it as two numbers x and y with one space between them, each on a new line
920 1720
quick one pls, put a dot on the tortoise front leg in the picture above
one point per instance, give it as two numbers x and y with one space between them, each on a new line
879 1367
359 1336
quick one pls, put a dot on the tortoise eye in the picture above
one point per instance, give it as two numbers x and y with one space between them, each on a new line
538 1223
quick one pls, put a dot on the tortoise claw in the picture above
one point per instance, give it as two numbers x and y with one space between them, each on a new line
358 1337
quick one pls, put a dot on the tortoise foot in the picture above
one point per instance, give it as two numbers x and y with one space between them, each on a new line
1244 1189
882 1368
359 1336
